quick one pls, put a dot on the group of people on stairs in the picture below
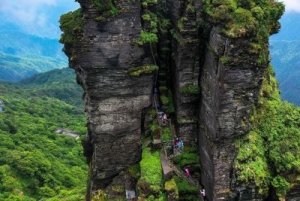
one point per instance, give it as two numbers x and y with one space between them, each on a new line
163 120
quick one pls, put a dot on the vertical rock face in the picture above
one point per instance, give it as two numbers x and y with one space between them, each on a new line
229 90
114 99
229 78
185 66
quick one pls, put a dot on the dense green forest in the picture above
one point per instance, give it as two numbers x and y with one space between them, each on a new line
57 83
36 163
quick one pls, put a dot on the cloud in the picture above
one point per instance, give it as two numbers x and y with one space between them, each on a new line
36 17
292 5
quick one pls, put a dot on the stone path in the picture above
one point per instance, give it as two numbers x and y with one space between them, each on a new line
167 169
166 163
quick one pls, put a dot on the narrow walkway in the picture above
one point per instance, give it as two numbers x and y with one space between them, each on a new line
181 174
166 163
167 169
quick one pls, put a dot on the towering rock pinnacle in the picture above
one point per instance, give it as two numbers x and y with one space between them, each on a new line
103 55
229 91
217 56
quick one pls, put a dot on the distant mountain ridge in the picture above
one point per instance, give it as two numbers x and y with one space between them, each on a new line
18 43
289 27
57 83
23 55
14 68
285 51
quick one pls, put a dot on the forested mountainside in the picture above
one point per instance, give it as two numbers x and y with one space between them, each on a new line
57 83
285 52
37 161
206 64
289 28
285 56
23 55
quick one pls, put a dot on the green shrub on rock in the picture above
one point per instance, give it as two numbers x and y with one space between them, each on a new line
151 172
146 69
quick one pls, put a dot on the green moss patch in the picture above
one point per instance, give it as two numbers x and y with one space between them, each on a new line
146 69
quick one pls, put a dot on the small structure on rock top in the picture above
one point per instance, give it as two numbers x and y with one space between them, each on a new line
1 105
62 131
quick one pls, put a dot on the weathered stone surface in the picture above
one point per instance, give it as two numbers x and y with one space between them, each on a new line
114 100
167 169
184 66
293 194
117 189
228 92
227 73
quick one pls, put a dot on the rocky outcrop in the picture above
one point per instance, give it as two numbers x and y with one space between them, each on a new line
185 66
114 99
214 76
294 194
228 92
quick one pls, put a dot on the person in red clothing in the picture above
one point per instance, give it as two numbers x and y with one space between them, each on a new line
187 172
176 141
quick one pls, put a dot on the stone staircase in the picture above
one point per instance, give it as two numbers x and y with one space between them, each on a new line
166 161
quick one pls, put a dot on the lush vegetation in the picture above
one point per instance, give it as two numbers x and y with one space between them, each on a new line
171 188
151 172
58 83
186 191
146 69
253 19
147 37
107 9
269 154
151 183
36 163
150 23
71 24
190 89
189 157
241 18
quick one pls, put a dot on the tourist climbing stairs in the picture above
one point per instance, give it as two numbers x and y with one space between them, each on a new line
166 162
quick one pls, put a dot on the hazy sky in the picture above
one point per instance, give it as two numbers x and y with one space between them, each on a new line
36 17
292 5
40 17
